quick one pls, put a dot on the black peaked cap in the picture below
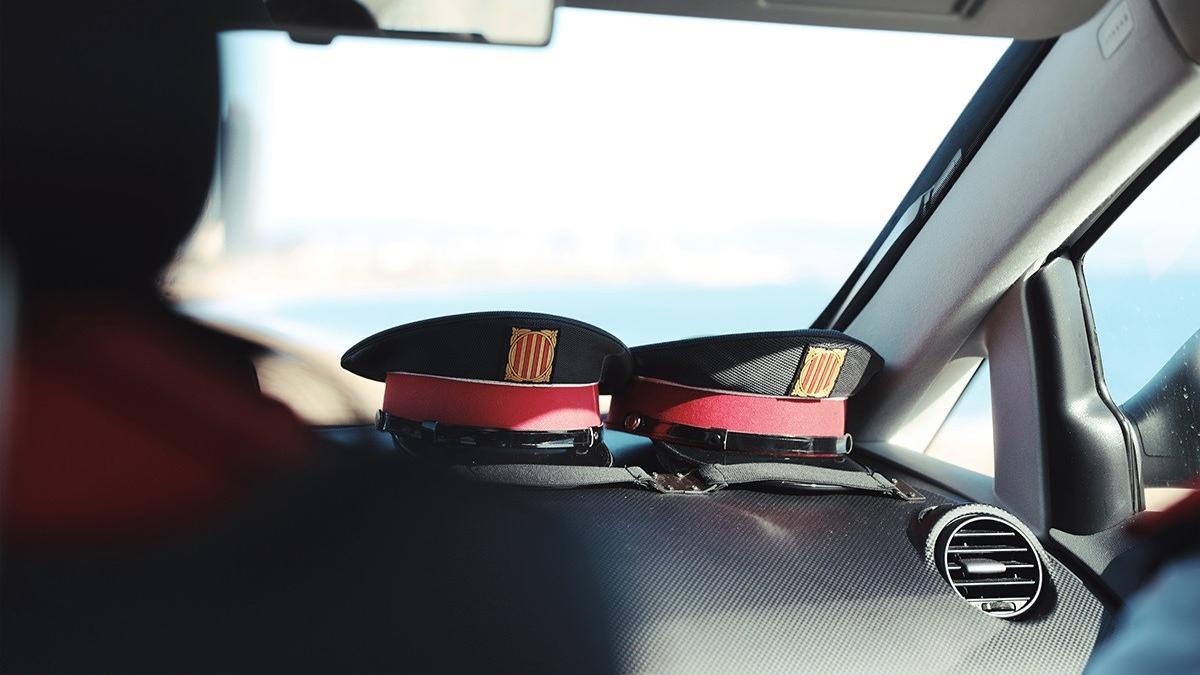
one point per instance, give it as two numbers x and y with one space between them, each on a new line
771 363
477 346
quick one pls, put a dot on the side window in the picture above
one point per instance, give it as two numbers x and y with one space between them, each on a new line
1143 279
965 438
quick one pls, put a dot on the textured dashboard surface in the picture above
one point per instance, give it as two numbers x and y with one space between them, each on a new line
769 582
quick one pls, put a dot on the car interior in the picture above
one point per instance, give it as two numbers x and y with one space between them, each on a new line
187 494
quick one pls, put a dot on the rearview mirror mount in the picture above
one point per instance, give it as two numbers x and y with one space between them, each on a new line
508 22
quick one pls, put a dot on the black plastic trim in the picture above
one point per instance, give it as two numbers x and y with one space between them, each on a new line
1112 563
1133 442
1084 444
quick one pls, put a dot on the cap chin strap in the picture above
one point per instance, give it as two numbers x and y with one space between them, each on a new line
703 479
564 470
447 434
814 472
724 440
479 444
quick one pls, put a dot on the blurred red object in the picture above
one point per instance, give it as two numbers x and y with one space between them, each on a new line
130 421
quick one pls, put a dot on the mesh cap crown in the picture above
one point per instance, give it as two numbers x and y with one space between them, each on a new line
515 347
799 363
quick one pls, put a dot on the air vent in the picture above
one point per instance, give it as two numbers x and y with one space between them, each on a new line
991 564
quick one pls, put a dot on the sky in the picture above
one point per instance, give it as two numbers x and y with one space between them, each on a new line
634 149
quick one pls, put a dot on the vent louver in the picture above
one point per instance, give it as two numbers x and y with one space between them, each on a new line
992 565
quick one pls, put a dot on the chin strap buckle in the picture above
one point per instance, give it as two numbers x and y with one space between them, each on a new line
898 488
681 484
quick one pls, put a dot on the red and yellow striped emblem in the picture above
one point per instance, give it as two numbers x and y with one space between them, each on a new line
530 355
819 373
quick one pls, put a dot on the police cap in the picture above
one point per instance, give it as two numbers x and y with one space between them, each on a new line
775 394
495 386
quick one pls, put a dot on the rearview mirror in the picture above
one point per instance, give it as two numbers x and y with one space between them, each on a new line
511 22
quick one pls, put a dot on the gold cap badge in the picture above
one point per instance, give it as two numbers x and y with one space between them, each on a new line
819 373
530 355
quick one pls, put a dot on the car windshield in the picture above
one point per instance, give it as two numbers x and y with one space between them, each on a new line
658 176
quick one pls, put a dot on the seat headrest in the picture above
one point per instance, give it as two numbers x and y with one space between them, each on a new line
110 119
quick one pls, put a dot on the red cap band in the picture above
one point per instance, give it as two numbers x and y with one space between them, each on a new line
746 413
492 405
